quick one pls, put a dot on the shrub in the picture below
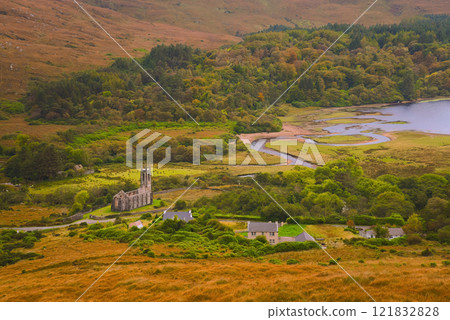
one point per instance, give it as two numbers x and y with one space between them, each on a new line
352 230
95 226
180 205
446 263
292 261
228 238
413 239
427 253
332 262
72 233
146 216
148 253
433 265
190 255
361 261
275 261
12 107
398 241
444 234
295 246
432 236
118 220
261 239
362 220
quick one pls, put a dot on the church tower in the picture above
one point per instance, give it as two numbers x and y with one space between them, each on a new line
146 179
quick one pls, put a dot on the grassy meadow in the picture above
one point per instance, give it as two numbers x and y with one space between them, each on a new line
70 265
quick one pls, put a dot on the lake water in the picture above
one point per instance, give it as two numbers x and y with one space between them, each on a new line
431 117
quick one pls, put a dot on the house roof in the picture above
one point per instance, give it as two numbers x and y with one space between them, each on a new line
262 226
181 215
304 236
136 224
393 232
367 233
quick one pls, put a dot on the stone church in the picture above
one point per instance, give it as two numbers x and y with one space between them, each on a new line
126 201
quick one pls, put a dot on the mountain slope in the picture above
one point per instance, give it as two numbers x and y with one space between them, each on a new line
42 39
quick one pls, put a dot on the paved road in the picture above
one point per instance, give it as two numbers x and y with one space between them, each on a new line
88 221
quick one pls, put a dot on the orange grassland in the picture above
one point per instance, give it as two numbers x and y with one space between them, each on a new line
21 214
70 265
18 124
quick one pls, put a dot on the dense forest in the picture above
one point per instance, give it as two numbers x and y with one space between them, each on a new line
378 64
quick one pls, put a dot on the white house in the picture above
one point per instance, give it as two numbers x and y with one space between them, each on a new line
137 224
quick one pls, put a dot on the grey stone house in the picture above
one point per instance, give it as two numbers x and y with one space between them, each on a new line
186 216
126 201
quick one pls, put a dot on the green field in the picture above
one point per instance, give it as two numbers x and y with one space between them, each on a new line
290 230
342 139
106 211
109 175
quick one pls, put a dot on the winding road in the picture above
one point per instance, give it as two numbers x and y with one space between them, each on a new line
88 221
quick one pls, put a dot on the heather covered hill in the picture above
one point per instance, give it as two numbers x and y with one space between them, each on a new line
42 39
378 64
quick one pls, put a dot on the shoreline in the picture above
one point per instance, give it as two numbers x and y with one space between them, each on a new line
290 131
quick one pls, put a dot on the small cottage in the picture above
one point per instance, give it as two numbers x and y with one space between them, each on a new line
137 224
392 233
270 231
186 216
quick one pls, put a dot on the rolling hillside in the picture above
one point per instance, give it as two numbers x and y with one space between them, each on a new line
42 39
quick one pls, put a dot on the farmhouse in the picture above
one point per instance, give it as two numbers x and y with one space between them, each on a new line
392 233
267 229
270 231
395 233
126 201
181 215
